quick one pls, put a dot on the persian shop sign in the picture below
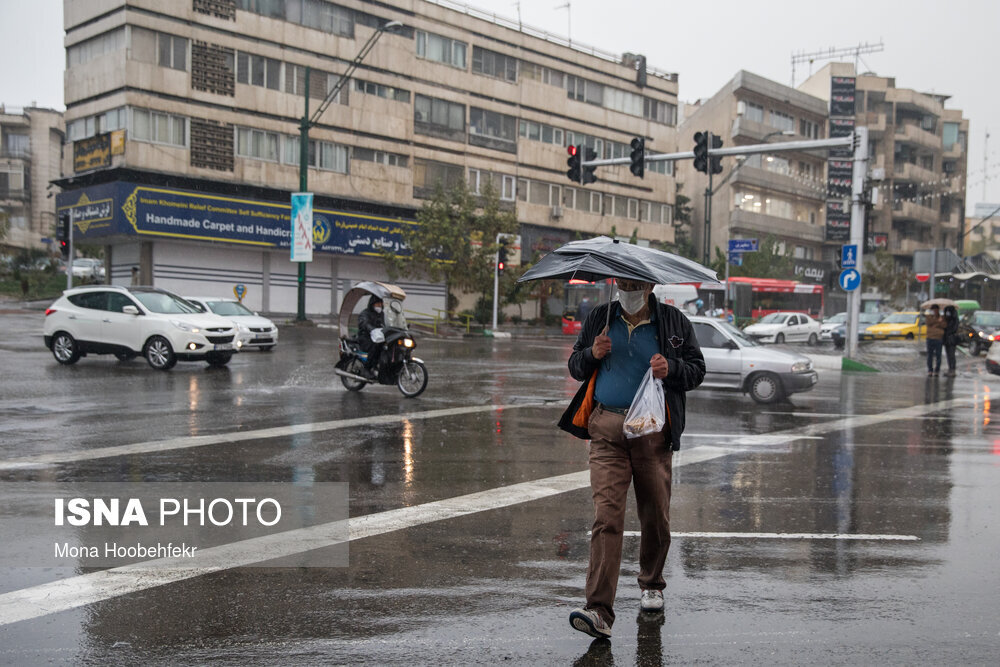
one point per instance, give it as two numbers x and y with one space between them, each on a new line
92 153
152 211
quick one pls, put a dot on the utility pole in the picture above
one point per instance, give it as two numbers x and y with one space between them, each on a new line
858 176
310 121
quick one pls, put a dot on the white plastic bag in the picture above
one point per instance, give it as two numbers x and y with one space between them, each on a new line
647 414
378 336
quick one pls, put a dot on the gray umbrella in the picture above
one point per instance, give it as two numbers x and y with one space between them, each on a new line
603 257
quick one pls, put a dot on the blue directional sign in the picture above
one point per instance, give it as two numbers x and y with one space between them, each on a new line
736 258
849 280
742 245
849 257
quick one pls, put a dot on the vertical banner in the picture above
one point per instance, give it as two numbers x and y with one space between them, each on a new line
839 168
302 226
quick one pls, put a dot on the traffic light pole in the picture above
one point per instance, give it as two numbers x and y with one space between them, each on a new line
857 234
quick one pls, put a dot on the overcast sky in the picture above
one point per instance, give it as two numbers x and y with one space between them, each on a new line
940 46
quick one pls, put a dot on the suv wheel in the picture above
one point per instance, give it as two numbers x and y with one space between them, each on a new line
65 349
765 388
159 354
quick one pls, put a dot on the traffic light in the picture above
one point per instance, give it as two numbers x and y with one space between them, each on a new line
588 172
501 258
716 162
638 156
701 152
62 236
573 173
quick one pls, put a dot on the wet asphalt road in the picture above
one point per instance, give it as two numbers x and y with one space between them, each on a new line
908 463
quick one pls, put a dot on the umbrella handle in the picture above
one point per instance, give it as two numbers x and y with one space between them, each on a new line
611 296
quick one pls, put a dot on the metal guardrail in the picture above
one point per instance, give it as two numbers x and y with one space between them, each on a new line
440 317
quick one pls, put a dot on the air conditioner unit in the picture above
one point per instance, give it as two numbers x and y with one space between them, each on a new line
557 211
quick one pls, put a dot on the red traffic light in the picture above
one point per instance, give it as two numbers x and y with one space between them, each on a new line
571 150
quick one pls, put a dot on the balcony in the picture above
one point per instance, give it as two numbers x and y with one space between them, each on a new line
875 122
13 194
780 183
740 220
755 132
908 210
906 246
951 222
914 135
906 171
953 152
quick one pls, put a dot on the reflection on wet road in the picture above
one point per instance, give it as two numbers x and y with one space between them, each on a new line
470 514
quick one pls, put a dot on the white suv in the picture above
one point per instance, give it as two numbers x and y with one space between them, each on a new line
127 322
254 331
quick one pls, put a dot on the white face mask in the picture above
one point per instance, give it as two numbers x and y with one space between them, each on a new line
632 302
378 309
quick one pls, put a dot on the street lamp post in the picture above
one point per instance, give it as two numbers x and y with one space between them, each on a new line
310 121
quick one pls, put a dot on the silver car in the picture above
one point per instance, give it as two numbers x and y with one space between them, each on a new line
735 361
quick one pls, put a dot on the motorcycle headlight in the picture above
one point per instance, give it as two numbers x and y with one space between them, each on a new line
407 342
184 326
801 366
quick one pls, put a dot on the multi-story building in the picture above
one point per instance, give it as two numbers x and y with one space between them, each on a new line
982 230
780 194
921 149
30 158
184 115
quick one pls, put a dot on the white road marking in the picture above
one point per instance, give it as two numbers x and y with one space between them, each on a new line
789 536
77 591
66 594
187 442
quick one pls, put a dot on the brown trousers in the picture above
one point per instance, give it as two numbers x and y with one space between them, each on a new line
615 462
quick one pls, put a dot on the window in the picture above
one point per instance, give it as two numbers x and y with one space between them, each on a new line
542 74
660 167
709 336
808 129
322 154
158 128
660 112
584 91
949 135
928 123
782 121
754 112
95 47
257 144
258 70
172 51
428 175
492 130
633 209
539 132
595 203
624 101
438 117
377 89
494 64
16 145
777 165
441 49
503 185
272 8
380 157
11 178
316 14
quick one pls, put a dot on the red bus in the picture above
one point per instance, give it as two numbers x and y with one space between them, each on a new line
766 295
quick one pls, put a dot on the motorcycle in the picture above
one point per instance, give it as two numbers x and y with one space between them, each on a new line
396 364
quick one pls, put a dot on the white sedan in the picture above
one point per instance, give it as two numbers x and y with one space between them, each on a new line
785 328
254 331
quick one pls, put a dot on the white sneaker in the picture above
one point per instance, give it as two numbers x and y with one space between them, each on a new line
590 622
651 600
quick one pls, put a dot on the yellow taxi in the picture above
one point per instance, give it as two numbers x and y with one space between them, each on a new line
907 324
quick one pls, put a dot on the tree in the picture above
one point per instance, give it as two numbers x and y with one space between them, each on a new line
442 245
882 275
683 243
768 262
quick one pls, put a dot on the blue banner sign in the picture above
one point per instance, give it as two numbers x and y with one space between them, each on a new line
128 209
742 245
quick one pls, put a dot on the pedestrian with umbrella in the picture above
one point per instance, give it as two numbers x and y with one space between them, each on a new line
935 333
619 342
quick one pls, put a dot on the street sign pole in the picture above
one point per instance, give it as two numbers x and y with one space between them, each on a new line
857 234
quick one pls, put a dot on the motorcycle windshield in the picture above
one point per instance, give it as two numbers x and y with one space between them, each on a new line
394 314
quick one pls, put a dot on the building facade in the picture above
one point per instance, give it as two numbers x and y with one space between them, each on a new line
780 194
31 142
920 149
183 123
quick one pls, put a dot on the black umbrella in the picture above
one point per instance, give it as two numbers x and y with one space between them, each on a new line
603 257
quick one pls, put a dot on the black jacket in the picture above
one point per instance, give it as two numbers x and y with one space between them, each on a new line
368 320
677 343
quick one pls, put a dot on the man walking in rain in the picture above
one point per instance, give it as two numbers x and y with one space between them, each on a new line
610 357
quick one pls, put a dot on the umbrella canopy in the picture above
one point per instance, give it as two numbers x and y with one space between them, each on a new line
940 302
603 257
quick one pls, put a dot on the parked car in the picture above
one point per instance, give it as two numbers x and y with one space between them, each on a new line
127 322
827 326
254 331
907 324
736 361
979 330
865 320
785 328
993 360
88 268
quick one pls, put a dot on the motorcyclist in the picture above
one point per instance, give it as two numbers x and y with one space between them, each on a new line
371 320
